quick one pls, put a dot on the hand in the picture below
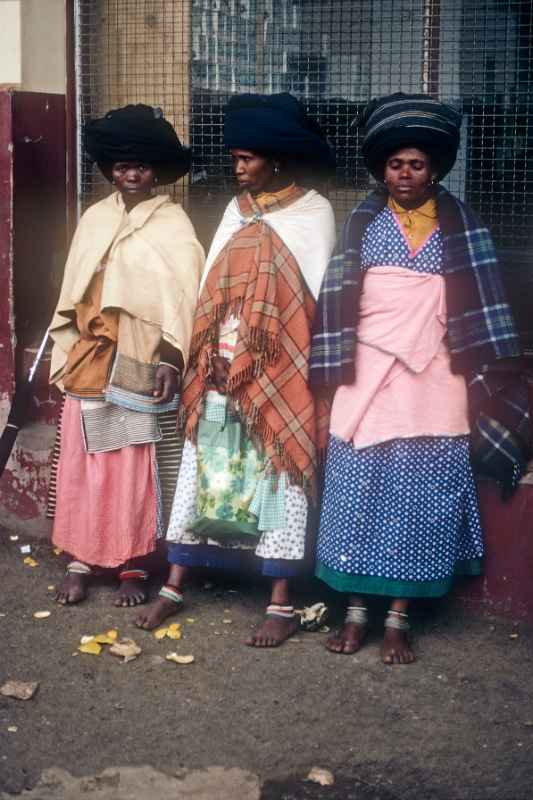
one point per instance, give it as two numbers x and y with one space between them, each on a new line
220 374
166 384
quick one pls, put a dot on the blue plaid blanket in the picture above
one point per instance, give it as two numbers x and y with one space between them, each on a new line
481 330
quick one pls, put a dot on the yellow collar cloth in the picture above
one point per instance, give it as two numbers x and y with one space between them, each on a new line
417 224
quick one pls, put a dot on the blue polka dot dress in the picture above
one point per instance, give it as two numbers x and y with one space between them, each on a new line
399 518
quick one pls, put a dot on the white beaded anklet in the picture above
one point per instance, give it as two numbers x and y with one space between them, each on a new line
357 615
171 593
286 612
397 620
78 568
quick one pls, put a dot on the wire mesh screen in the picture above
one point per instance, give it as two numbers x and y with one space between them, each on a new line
190 56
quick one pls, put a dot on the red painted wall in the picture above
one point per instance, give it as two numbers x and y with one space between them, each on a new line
506 587
6 254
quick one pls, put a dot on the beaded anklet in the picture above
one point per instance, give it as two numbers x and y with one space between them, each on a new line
397 620
78 568
133 575
357 615
285 612
171 593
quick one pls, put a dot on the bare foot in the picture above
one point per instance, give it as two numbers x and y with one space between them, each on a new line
131 593
348 640
156 613
72 590
274 631
396 648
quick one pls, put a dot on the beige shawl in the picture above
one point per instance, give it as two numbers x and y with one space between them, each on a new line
153 268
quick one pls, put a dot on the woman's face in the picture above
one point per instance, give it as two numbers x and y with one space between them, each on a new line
133 178
408 176
254 173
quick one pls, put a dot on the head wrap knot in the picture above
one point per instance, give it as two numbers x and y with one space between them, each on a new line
137 133
409 120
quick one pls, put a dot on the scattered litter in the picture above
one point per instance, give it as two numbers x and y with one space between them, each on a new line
208 585
233 591
30 562
157 660
179 659
25 548
42 614
515 631
528 723
51 587
126 649
3 615
514 636
227 611
57 551
227 621
312 618
106 638
322 776
12 729
217 633
170 632
190 620
294 641
324 629
20 690
91 647
109 637
14 537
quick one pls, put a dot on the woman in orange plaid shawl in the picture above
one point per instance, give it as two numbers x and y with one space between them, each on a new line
253 429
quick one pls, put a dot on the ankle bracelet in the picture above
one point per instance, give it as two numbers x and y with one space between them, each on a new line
397 620
78 568
357 615
171 593
274 610
133 575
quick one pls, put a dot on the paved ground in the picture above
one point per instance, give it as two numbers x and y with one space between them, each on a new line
240 723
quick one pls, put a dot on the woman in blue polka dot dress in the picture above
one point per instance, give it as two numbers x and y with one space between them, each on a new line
400 513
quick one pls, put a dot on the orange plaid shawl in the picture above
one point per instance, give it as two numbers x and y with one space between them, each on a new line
256 277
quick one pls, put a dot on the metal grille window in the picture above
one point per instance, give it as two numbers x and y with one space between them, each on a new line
190 56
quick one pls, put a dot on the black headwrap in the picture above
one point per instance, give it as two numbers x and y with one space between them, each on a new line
137 133
410 120
275 125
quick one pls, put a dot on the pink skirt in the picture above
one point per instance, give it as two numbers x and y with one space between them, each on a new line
106 509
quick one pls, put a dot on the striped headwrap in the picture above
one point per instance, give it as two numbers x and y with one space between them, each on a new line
409 120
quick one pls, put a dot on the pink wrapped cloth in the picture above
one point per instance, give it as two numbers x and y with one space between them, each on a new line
404 387
106 511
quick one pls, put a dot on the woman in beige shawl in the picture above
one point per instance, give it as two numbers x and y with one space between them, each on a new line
121 334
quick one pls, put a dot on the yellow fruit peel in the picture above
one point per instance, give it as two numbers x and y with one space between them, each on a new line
177 659
92 648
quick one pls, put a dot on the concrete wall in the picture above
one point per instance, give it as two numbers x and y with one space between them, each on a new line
10 43
32 45
43 36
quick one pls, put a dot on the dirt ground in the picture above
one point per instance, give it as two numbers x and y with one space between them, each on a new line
457 724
